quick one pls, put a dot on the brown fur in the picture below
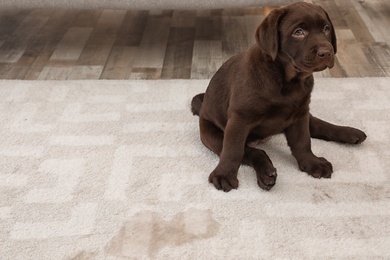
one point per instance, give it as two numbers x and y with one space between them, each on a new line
266 91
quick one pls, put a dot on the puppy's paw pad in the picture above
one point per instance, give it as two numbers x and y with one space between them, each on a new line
266 179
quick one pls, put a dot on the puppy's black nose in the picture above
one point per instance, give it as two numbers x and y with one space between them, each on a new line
324 52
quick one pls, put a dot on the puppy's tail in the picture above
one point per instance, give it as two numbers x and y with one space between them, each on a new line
196 103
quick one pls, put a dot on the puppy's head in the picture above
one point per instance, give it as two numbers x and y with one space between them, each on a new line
301 34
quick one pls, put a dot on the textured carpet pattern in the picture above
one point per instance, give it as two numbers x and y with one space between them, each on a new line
115 169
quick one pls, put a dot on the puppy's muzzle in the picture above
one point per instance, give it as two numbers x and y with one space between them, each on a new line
324 52
325 55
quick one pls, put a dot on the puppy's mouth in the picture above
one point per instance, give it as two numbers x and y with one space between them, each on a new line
326 63
318 62
312 63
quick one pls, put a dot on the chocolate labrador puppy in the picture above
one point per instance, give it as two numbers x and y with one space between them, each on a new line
266 91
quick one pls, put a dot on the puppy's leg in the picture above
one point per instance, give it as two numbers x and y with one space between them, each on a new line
212 138
329 132
265 171
298 138
230 147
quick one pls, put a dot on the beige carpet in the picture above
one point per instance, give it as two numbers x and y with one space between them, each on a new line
115 170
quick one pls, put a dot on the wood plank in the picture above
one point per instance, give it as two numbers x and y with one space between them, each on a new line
178 54
110 20
13 48
119 63
99 44
335 13
85 72
132 29
145 73
354 61
207 59
203 13
151 51
360 59
124 32
379 58
96 52
354 21
86 18
376 16
116 73
38 65
235 39
20 69
41 44
72 44
46 40
5 69
368 21
48 37
209 28
10 21
55 73
184 18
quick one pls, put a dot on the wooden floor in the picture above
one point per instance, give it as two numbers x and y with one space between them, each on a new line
120 44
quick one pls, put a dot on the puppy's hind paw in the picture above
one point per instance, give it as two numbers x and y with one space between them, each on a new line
351 135
358 137
266 179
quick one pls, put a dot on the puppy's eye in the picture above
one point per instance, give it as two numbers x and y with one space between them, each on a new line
326 28
299 32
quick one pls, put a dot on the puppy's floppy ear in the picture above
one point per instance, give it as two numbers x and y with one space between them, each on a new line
267 34
333 33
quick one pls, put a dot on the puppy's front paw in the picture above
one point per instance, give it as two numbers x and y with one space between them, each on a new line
223 181
317 167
